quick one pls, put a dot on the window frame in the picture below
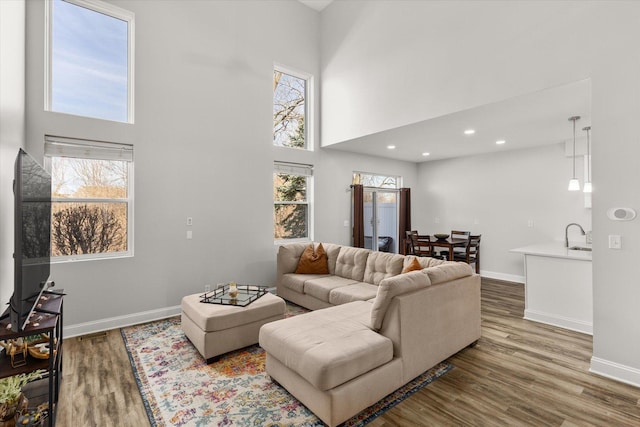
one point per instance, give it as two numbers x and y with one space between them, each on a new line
75 144
309 125
299 170
105 9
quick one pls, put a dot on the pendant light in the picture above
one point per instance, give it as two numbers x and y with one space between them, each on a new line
574 184
587 182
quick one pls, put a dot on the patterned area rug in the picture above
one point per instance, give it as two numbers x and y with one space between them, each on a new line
179 389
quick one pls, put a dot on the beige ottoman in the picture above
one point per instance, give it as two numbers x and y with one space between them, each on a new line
215 329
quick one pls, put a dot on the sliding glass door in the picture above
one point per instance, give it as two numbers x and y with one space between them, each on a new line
381 220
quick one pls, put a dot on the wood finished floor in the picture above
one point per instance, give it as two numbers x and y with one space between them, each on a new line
521 373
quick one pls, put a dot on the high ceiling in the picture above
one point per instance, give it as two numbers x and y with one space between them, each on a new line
535 119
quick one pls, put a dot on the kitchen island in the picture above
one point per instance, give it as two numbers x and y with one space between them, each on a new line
558 285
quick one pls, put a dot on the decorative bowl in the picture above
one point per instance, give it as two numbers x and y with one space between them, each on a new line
441 236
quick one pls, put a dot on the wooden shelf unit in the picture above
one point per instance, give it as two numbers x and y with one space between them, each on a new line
48 315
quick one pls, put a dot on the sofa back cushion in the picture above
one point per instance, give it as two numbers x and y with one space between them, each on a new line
290 253
381 265
392 286
448 271
332 251
351 262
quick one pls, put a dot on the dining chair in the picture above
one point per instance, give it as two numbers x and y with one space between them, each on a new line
456 234
472 252
421 245
408 242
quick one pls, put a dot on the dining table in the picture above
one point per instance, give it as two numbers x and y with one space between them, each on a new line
449 243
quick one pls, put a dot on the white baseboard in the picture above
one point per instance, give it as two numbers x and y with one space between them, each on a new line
615 371
502 276
119 321
563 322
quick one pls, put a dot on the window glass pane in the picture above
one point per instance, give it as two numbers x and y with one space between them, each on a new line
377 181
85 178
288 110
88 228
289 188
89 63
291 221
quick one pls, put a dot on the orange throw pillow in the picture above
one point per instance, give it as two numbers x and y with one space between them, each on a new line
313 261
413 265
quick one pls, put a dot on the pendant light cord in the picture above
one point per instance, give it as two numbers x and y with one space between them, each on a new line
574 147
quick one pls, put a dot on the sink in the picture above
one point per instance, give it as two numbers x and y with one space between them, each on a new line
579 248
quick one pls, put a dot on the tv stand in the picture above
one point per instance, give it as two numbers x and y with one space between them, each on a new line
49 312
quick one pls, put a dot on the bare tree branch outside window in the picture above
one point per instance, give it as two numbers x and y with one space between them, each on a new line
289 95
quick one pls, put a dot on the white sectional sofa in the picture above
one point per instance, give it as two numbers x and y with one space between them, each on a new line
373 328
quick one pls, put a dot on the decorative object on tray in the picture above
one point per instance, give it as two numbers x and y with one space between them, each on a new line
16 350
441 236
12 400
233 290
234 294
38 346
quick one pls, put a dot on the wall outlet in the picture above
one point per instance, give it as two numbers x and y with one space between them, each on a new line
530 223
615 242
189 220
346 223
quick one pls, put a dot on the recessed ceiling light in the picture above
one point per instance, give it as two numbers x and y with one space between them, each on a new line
426 154
391 147
469 131
500 141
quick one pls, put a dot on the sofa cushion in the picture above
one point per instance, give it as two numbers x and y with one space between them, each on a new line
448 271
295 282
332 251
351 262
321 287
381 265
391 287
313 261
356 292
328 347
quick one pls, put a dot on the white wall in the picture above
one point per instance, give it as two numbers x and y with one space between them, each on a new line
202 140
203 148
496 195
12 127
390 63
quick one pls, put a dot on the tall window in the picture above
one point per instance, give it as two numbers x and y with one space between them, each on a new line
291 201
290 94
90 60
92 198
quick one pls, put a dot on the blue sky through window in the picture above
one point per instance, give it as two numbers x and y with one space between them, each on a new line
89 63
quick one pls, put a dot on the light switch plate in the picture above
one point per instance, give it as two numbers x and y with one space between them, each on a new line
614 241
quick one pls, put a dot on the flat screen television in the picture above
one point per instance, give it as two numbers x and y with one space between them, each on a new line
32 237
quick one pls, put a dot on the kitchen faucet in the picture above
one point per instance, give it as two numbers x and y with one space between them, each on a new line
566 233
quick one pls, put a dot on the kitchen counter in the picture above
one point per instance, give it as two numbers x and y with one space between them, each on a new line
556 250
558 285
